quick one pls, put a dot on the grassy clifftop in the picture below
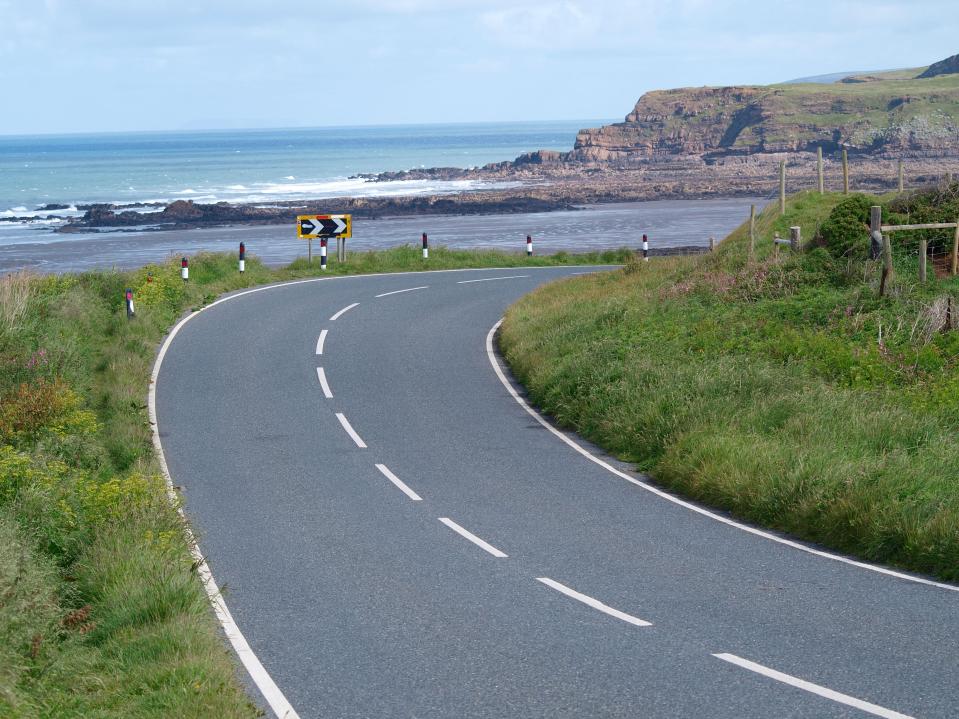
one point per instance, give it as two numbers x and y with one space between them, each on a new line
781 388
892 113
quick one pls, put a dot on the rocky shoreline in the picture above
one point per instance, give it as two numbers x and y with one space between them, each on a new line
544 186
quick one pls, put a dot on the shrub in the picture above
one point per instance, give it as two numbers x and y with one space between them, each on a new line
33 406
845 232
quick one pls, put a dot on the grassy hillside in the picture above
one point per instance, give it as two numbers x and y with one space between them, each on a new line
781 388
101 612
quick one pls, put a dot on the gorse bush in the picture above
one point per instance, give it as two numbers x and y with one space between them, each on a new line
932 205
846 232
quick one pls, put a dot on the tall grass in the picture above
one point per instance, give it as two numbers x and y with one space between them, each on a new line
763 387
101 612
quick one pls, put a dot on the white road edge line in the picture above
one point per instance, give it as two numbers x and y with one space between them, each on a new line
491 279
813 688
594 603
321 374
350 431
397 292
399 483
258 674
343 311
320 341
466 534
494 361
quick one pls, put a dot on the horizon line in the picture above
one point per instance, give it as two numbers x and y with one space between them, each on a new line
80 133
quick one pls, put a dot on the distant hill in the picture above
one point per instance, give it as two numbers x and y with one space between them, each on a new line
913 112
830 78
949 66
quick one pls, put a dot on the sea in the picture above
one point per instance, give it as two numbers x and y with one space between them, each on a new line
144 170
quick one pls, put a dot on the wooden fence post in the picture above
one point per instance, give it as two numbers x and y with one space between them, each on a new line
923 247
795 238
752 232
845 172
875 232
887 273
955 250
782 187
712 244
902 184
819 172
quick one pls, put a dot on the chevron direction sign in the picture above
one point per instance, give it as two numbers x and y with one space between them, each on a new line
309 227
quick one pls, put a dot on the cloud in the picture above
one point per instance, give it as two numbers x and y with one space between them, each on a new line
552 25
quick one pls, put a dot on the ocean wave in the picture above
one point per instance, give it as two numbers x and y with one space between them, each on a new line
258 193
23 212
269 193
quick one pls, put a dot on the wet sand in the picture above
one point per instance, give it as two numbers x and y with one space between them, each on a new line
669 223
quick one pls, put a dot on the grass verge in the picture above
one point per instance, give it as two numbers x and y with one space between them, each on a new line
781 388
101 612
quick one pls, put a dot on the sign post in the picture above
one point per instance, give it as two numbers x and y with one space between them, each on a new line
323 227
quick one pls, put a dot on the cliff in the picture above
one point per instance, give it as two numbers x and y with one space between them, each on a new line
877 115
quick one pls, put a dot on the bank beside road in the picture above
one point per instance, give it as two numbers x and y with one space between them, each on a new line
778 385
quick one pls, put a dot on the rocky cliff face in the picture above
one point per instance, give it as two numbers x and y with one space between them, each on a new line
885 117
714 122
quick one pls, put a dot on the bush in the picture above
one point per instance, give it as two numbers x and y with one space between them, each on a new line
938 204
845 232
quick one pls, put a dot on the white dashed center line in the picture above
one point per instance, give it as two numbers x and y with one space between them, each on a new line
396 292
343 311
321 374
399 483
491 279
350 431
813 688
320 341
594 603
485 546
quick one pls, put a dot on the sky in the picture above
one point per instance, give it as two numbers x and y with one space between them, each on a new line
125 65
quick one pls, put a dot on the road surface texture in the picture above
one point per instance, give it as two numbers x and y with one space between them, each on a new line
399 537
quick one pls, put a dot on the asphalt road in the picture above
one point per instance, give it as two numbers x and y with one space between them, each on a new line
467 562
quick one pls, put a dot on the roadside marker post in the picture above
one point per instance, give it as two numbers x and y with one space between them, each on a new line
529 246
426 247
242 257
322 253
185 269
130 311
645 248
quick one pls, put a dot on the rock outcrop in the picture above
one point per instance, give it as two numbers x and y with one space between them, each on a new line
892 118
949 66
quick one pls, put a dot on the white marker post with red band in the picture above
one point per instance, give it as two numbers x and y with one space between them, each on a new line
529 246
426 247
185 269
322 253
130 310
242 257
645 248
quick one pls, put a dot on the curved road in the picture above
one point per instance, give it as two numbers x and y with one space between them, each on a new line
399 537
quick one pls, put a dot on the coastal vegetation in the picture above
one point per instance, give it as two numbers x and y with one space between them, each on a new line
776 385
101 611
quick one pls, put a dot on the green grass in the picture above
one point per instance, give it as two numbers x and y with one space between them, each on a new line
762 386
101 611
